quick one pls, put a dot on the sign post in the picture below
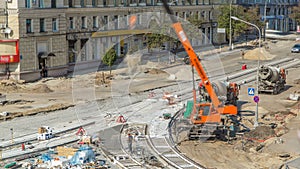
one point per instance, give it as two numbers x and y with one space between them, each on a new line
256 100
251 91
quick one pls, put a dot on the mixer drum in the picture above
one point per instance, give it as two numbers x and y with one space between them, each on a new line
220 89
270 74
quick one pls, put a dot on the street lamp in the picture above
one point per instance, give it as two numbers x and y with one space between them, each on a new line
265 19
230 43
12 135
7 29
257 80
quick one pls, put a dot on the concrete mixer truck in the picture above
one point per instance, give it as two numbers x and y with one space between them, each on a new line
227 92
271 79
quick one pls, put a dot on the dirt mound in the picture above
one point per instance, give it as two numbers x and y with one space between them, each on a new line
258 53
51 108
40 88
261 132
297 81
102 78
9 86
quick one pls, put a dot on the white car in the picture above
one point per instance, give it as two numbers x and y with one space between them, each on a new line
295 48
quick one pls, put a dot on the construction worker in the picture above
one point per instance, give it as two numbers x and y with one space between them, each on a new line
130 139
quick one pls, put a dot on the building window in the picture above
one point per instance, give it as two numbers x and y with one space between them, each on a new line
82 3
126 20
139 21
116 21
53 3
54 24
83 22
104 3
203 14
71 20
27 3
29 26
94 3
95 22
42 25
41 3
71 3
72 54
104 21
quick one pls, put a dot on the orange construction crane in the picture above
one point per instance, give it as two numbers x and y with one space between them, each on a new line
208 112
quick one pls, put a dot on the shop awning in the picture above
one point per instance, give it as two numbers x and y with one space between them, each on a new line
45 55
42 55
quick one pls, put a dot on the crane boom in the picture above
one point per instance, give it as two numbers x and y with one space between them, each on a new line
215 108
196 63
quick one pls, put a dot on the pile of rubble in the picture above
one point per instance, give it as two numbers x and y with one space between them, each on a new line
61 157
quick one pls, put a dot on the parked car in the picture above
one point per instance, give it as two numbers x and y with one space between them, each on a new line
183 56
295 48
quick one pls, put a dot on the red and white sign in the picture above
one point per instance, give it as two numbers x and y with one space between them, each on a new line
298 28
9 51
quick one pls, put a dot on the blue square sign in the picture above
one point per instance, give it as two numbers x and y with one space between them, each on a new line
251 91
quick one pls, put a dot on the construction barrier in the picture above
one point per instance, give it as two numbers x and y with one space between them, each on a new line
189 109
121 119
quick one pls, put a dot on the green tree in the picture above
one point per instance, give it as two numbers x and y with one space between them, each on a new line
250 14
109 58
196 20
295 13
192 26
158 36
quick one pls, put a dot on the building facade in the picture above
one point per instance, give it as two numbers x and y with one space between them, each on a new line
53 35
275 13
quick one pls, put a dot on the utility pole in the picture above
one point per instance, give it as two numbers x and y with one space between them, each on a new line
258 65
6 35
12 135
6 19
230 43
265 18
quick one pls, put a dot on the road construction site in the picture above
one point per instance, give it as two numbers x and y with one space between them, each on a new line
153 90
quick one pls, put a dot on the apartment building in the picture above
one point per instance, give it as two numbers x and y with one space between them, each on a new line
57 34
274 12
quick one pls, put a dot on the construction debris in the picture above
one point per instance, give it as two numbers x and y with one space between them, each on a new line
295 96
45 133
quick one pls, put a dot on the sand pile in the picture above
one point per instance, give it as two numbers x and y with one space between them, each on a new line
40 88
261 132
8 86
258 53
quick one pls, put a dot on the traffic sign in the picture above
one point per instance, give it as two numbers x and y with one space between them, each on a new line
256 99
251 91
221 30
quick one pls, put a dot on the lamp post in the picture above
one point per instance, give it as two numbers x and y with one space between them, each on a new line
257 80
12 135
6 20
265 18
230 43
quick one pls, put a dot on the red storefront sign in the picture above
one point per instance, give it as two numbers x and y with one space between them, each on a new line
9 51
9 59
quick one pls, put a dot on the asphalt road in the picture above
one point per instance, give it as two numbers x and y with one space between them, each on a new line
97 109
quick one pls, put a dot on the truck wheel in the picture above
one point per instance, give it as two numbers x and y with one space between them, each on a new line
275 91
